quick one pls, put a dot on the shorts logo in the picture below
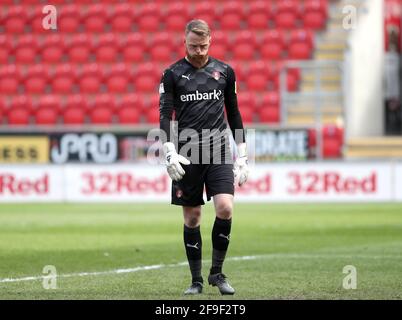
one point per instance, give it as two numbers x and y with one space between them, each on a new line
179 193
216 75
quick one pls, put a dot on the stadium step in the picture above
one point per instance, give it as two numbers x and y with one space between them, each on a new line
374 147
309 120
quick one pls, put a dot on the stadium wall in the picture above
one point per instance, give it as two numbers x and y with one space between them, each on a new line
364 63
274 182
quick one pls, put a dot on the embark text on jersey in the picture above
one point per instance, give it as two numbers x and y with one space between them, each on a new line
197 96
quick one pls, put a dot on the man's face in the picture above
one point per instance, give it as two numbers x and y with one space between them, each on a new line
197 46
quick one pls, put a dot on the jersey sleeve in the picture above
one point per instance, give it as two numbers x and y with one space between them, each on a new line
166 99
232 109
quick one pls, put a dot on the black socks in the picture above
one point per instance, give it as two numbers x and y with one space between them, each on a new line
220 243
193 244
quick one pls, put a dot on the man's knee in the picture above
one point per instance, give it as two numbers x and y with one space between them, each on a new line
224 210
192 216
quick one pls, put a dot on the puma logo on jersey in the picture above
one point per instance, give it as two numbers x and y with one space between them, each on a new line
193 246
185 77
198 96
226 237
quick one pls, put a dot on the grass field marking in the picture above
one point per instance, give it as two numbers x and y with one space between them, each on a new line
185 263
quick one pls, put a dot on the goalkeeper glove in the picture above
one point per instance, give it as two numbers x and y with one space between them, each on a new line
173 160
240 167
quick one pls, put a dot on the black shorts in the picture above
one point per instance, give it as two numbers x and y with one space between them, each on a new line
217 178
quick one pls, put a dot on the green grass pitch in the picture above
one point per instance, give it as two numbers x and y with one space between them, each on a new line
135 251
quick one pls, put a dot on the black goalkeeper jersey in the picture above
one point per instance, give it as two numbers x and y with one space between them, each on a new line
198 97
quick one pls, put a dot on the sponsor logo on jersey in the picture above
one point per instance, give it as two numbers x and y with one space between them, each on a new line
199 96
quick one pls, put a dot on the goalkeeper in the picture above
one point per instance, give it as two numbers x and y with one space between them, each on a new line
198 89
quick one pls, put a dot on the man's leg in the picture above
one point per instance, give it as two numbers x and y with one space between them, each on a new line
221 230
220 241
193 245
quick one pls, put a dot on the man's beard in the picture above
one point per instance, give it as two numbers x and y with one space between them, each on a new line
196 57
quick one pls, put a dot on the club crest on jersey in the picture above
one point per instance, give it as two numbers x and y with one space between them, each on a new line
216 75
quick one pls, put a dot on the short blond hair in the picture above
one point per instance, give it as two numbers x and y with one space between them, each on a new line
199 27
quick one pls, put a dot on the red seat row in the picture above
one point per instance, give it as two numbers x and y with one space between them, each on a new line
124 17
104 109
109 47
121 78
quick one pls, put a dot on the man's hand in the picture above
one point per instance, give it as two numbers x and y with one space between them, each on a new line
240 167
173 160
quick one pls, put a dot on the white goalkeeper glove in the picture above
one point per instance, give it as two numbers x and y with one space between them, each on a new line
173 160
240 167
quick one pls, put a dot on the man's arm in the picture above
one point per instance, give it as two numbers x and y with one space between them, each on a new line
166 98
235 122
173 160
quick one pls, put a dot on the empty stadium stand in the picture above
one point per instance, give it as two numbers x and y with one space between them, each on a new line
103 64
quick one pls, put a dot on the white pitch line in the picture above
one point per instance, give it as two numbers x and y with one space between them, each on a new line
185 263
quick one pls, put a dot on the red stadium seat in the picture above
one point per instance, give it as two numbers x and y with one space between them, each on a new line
269 114
52 49
36 20
63 79
257 78
301 43
162 47
219 45
26 49
232 15
75 110
95 18
36 79
270 99
245 46
205 10
259 15
103 109
10 77
19 111
118 78
333 132
133 101
122 18
133 48
47 111
177 16
90 79
79 48
286 14
105 100
107 48
269 110
246 99
2 112
152 115
16 19
149 18
152 103
128 115
331 148
247 114
273 45
292 76
147 78
315 14
101 114
69 19
6 49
